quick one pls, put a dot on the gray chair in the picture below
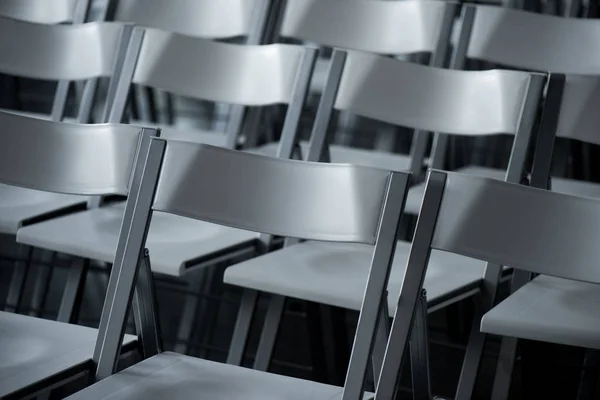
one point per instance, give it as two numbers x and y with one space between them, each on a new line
560 46
259 193
407 94
83 160
391 28
53 52
505 224
206 19
248 75
45 12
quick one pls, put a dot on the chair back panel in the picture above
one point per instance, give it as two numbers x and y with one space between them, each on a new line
384 27
40 11
317 201
219 72
198 18
434 99
518 226
579 117
66 158
58 52
527 40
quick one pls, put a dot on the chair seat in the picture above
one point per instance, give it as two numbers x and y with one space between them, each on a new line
34 349
173 241
190 134
175 376
350 155
17 205
336 274
551 310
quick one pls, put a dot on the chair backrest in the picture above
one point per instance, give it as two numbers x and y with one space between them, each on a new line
207 19
55 53
41 11
316 201
214 71
483 219
430 99
498 222
383 27
560 45
67 158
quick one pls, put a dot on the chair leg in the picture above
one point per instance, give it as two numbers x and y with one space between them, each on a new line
190 312
243 323
381 337
419 351
42 284
269 333
504 371
588 385
73 294
19 279
145 310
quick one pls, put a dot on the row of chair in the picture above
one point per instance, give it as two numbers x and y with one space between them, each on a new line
361 83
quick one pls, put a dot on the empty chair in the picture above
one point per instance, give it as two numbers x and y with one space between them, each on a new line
80 160
277 197
392 28
560 46
226 20
247 75
53 52
505 224
407 94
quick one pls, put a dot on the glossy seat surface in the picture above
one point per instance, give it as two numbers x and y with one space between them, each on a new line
549 309
336 274
172 241
175 376
19 204
34 349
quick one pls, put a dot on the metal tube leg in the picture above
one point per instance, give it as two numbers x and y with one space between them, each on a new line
188 317
589 378
145 310
268 336
381 337
242 327
42 283
475 347
73 294
18 279
419 354
504 371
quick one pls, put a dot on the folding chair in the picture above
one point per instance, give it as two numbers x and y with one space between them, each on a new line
407 94
85 160
252 192
560 46
206 19
222 72
53 52
505 224
391 28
